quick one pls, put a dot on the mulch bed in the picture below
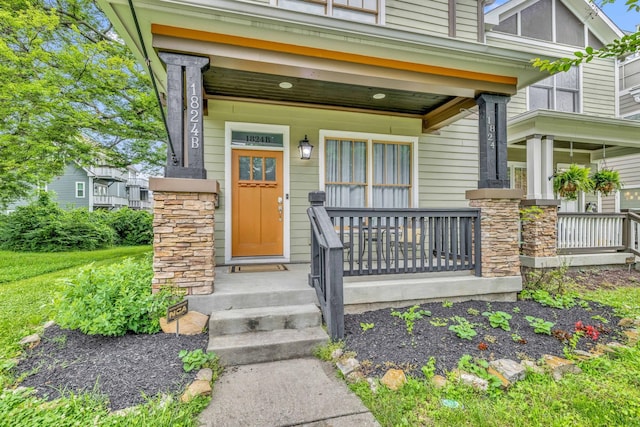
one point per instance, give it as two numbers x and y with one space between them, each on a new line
388 344
124 369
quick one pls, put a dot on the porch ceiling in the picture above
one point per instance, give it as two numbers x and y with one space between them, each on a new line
581 132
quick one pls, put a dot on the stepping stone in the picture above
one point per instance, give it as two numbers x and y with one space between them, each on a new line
511 370
559 366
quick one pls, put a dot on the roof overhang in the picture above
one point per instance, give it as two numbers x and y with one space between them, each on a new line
334 63
600 136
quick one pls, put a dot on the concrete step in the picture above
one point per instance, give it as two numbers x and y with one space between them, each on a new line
263 319
258 347
268 298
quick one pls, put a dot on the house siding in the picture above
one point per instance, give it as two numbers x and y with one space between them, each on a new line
418 16
599 88
448 162
64 188
628 106
629 171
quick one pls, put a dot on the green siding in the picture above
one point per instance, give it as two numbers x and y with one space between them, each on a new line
448 162
599 88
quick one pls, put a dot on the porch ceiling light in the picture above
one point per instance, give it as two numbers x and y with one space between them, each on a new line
379 96
285 85
305 149
635 93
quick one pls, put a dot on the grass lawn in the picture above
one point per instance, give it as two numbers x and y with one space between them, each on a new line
607 393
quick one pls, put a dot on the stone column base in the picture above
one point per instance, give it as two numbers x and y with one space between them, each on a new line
540 228
183 229
499 226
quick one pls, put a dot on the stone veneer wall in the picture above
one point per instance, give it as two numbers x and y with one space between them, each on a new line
499 226
183 227
540 229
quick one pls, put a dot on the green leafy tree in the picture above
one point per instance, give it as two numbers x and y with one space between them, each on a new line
71 90
627 44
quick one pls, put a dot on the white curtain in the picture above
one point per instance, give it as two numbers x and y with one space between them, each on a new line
391 175
346 173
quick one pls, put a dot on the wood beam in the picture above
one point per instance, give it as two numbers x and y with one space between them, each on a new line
447 113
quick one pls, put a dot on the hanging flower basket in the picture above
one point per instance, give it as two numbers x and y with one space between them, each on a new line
569 182
606 181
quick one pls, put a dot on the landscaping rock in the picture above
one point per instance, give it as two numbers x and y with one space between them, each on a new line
559 366
394 379
504 382
439 381
49 324
347 366
528 364
204 374
632 336
30 340
196 388
337 354
626 322
584 355
192 323
354 377
511 370
373 385
473 381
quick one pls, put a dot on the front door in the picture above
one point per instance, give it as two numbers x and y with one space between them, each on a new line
257 203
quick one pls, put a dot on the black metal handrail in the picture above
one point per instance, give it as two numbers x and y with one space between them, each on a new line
414 240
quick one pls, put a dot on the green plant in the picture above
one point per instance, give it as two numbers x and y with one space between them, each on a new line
447 304
197 359
540 326
325 352
531 213
517 338
112 300
429 369
516 310
606 181
473 311
410 316
479 368
600 318
463 328
543 297
438 322
366 326
498 319
567 183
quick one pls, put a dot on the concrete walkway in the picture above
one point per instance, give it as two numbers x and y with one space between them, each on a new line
296 392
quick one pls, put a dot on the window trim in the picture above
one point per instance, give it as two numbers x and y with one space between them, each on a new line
371 138
379 15
554 89
80 184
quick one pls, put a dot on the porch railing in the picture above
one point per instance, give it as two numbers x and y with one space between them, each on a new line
327 270
396 241
583 232
633 233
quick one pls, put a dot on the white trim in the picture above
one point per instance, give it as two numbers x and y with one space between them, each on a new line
256 127
91 193
616 89
84 190
553 22
370 137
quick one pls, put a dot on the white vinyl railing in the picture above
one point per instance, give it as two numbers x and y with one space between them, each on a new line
590 231
633 243
111 201
108 172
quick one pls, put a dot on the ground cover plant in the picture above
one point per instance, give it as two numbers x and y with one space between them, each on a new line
606 393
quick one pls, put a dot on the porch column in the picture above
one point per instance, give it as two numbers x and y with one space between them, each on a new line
492 133
184 115
539 228
499 225
183 234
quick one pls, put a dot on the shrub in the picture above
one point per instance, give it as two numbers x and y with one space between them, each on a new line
43 227
113 300
132 227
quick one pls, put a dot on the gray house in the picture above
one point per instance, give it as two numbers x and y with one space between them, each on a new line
98 187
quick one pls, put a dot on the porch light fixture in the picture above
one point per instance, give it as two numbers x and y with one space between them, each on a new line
635 93
285 85
305 149
379 96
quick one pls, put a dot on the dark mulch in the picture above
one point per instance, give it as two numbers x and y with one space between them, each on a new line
389 344
124 369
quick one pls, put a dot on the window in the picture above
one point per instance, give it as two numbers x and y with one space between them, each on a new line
364 172
370 11
630 198
518 175
80 190
560 92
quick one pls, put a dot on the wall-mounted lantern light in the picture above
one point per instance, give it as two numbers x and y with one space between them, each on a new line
305 149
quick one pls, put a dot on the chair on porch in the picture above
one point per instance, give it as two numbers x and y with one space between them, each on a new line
410 236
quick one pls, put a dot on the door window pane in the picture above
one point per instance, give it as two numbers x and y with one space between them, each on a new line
270 169
244 168
257 169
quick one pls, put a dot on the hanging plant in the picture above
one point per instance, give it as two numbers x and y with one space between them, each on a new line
606 181
569 182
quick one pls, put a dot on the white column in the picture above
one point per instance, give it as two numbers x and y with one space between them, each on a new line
547 167
534 167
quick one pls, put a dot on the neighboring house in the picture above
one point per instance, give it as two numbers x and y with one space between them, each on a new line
99 187
421 115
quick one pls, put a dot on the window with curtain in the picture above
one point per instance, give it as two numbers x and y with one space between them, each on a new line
560 92
356 10
348 182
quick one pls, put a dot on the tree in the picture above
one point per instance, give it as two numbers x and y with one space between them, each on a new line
627 44
71 91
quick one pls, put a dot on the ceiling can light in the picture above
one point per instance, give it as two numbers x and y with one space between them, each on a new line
305 148
379 96
285 85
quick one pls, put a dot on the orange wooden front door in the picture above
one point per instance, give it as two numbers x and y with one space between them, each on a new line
257 203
